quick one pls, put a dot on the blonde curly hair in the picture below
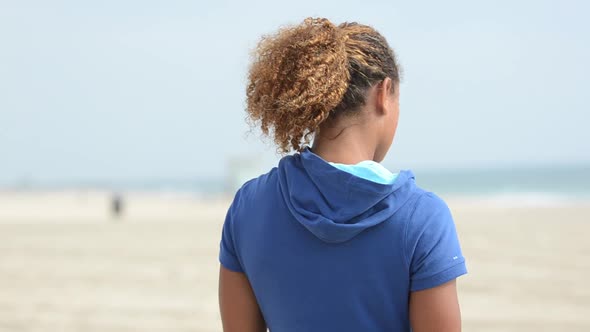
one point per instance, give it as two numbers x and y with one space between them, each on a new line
307 73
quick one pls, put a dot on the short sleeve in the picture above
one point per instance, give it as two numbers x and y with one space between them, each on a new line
432 246
227 248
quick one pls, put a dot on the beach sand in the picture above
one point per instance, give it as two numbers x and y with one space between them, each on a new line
67 265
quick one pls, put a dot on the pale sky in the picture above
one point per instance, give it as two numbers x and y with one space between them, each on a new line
155 89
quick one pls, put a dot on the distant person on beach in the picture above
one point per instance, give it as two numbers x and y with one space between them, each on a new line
330 240
116 205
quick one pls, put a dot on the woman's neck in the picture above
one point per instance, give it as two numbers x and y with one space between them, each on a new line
350 145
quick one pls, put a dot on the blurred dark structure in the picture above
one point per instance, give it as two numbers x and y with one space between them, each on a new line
117 205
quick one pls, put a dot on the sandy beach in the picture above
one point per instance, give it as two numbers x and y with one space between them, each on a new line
67 265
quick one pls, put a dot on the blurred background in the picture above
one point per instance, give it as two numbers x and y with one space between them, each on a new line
123 138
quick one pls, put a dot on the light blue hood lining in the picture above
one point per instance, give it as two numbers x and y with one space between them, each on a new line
368 170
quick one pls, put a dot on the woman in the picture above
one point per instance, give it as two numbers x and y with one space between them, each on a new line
330 240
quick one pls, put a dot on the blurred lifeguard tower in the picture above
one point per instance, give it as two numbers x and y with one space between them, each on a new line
240 170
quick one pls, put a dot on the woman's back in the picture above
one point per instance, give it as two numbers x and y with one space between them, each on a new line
321 259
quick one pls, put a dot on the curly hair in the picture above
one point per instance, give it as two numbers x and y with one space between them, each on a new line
304 74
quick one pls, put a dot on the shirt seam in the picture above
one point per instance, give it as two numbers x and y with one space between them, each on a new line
457 263
405 239
239 198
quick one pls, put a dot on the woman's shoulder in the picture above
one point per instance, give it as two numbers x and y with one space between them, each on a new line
256 187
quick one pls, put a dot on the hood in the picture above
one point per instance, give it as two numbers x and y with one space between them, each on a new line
335 205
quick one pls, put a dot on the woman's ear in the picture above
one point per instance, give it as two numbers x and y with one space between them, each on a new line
383 93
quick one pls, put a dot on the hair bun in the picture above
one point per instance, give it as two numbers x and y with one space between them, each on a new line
298 76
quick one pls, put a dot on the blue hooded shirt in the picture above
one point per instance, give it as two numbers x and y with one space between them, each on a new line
327 250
